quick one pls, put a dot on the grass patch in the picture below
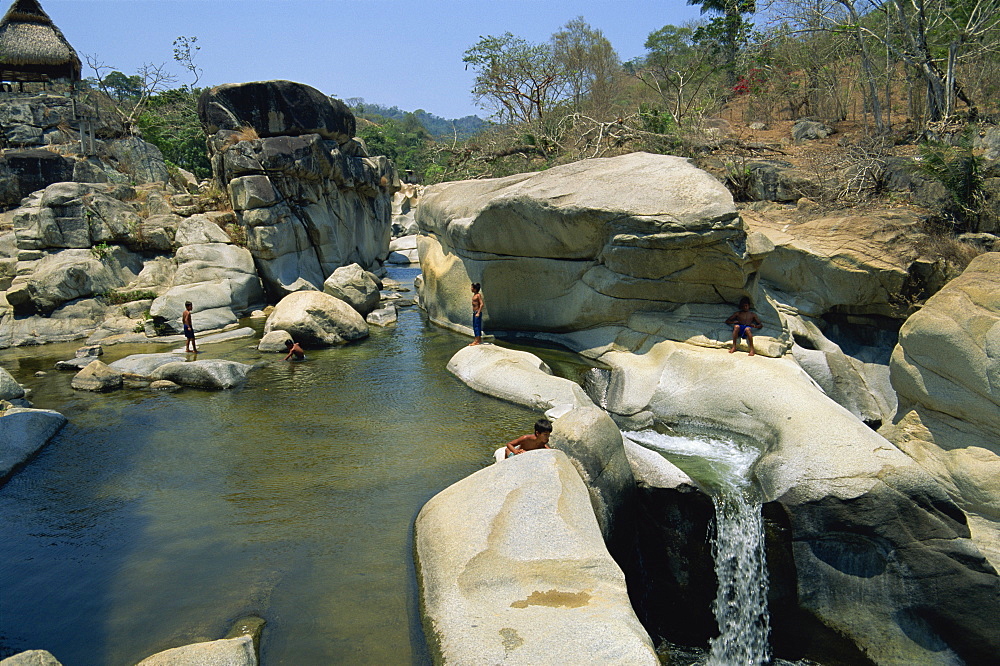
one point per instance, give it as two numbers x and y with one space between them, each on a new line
122 297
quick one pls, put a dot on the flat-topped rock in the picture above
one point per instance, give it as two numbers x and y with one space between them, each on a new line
275 108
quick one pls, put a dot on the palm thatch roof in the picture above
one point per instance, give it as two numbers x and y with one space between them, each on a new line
32 48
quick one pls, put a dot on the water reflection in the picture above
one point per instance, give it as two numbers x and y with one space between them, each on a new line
155 520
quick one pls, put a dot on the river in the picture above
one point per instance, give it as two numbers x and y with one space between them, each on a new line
156 520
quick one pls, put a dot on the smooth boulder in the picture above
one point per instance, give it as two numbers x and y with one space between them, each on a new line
315 318
594 444
512 569
946 371
581 245
274 342
355 286
515 376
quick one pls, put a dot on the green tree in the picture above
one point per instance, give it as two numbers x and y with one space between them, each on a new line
728 28
121 87
518 80
404 141
589 63
170 122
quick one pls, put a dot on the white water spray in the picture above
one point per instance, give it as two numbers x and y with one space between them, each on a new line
740 604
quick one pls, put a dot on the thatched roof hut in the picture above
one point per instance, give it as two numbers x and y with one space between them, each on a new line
32 48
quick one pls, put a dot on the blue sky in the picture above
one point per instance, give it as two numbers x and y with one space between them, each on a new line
394 52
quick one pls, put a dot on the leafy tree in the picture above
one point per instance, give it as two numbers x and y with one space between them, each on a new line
170 122
519 80
590 64
121 87
404 141
728 28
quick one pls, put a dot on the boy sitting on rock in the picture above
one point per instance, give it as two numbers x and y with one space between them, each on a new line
742 321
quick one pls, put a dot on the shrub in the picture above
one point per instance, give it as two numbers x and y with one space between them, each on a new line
121 297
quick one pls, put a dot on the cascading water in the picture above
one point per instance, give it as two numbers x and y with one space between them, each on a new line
722 467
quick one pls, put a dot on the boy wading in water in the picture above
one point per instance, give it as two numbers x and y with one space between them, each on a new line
477 314
540 440
189 344
743 320
295 352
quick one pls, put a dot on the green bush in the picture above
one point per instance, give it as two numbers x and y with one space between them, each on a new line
121 297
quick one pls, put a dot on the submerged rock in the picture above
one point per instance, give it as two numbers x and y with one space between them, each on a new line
22 433
31 658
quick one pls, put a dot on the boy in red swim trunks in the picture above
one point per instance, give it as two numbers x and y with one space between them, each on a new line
742 321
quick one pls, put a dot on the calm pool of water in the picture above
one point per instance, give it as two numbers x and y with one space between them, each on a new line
153 521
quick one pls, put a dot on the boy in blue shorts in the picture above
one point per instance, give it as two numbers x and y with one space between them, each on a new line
742 321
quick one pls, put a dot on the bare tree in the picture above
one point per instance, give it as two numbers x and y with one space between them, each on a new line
152 79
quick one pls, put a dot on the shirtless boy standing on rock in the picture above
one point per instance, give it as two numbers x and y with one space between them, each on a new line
189 344
743 320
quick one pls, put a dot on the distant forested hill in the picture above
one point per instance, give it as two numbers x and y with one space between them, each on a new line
436 126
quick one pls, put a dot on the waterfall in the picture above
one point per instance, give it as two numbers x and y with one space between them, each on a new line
740 607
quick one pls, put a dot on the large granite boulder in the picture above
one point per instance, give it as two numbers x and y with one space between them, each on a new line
583 245
23 432
238 651
317 319
306 200
70 275
355 286
275 108
516 376
512 569
946 371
